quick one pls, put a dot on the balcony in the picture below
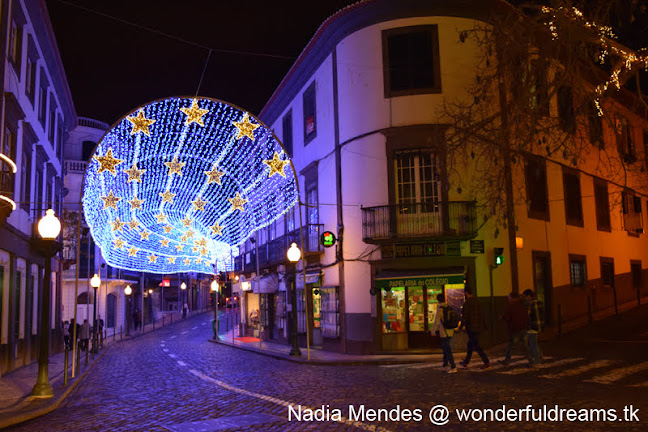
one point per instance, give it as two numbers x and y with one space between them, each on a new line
274 252
74 166
92 123
451 220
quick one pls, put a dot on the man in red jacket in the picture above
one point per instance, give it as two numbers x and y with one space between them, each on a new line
517 321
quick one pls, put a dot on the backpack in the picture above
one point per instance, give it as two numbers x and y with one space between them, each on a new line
450 318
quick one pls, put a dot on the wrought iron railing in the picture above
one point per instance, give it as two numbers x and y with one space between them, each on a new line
274 252
449 219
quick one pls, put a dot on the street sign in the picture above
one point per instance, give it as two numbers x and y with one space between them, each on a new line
477 246
327 239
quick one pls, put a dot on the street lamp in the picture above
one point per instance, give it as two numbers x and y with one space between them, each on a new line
128 291
95 282
49 228
293 256
214 289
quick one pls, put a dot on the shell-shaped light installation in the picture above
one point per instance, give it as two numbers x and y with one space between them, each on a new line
178 182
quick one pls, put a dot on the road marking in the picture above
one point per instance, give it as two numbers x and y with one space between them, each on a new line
579 370
541 366
281 402
173 356
181 363
423 366
165 350
194 328
495 365
185 332
618 374
643 384
172 337
203 323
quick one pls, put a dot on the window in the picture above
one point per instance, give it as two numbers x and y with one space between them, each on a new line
15 42
51 133
595 126
7 148
417 181
25 182
625 140
42 101
539 93
310 117
87 149
635 269
607 271
411 61
577 270
38 208
573 202
329 312
631 206
566 115
535 172
30 82
601 200
286 127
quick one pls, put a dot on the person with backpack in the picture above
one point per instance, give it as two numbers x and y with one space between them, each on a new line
536 324
473 321
445 323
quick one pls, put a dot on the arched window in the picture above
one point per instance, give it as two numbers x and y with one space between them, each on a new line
111 301
84 298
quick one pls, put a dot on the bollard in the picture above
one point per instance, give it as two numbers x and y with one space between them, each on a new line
65 367
121 334
589 309
559 320
171 318
78 359
114 334
87 355
616 305
153 324
162 320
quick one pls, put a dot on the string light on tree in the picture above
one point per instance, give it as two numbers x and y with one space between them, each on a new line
184 169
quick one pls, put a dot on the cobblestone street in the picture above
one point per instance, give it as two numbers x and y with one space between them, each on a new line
168 379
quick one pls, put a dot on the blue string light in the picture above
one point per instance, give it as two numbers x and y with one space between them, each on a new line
178 182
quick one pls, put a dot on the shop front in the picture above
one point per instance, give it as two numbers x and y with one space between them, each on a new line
408 307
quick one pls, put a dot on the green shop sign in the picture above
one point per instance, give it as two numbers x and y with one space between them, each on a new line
411 281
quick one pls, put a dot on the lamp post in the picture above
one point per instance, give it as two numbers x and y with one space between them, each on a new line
293 256
214 289
183 287
128 291
49 228
95 282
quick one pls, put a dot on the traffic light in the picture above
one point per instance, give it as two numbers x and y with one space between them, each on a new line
498 253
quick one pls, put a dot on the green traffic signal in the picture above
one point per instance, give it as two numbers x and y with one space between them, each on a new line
499 255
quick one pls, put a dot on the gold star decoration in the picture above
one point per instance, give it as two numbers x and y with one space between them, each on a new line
245 128
119 243
216 229
175 167
136 203
133 224
237 202
152 258
201 242
179 247
140 123
167 228
110 201
167 196
134 174
171 260
118 225
198 260
204 252
132 251
199 204
161 218
190 233
276 165
144 235
194 114
186 222
164 242
195 249
214 176
184 238
187 261
107 162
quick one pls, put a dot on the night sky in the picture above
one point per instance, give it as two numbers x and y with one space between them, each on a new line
113 66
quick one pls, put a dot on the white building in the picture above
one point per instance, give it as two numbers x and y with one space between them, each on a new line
37 111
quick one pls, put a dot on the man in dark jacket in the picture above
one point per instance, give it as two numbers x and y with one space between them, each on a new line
473 322
516 317
536 324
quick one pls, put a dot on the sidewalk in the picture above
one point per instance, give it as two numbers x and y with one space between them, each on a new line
320 357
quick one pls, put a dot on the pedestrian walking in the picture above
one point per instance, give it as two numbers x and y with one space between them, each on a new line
536 324
84 335
100 327
516 317
185 309
473 321
445 323
66 335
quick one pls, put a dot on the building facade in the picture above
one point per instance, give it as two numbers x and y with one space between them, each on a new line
36 113
358 113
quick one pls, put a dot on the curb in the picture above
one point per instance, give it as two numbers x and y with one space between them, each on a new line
303 360
56 402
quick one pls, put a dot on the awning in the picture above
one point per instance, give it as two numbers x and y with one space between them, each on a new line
311 278
387 281
267 284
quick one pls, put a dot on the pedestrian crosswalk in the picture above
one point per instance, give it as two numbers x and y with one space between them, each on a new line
603 371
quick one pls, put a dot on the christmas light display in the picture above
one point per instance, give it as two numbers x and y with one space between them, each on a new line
178 182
